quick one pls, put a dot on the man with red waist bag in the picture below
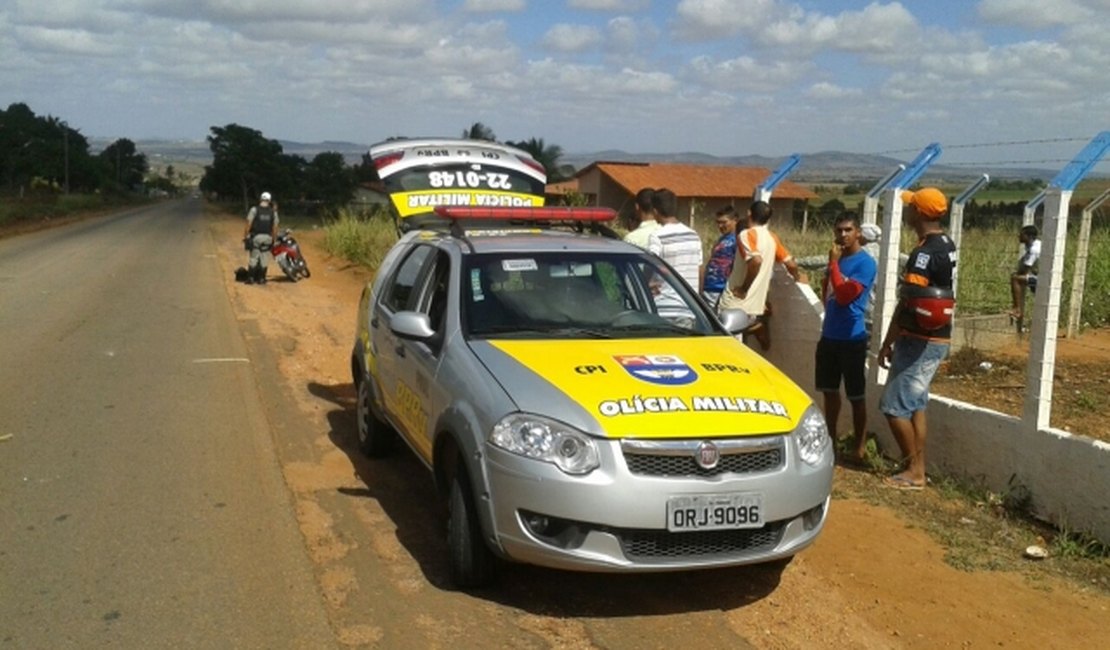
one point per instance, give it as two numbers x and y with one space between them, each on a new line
918 337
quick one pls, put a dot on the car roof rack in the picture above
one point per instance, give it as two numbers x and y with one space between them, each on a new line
576 219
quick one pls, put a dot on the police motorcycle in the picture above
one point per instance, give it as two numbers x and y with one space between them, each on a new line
287 254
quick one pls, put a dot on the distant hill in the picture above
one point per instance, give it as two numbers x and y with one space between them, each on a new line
820 167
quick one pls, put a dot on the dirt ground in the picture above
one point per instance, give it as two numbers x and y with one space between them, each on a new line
875 579
997 379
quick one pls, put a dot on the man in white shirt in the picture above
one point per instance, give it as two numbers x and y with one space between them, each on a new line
1026 273
755 261
679 246
645 219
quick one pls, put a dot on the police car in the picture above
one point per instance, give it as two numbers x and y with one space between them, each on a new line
521 353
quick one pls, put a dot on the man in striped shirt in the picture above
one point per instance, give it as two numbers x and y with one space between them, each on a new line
679 246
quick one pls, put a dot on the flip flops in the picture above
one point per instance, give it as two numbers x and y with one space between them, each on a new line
899 482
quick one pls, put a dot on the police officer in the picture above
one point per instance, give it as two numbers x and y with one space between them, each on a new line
258 237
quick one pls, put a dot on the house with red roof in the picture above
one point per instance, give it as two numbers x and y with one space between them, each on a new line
701 189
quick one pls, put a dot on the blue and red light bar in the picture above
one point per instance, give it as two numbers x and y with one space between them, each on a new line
546 213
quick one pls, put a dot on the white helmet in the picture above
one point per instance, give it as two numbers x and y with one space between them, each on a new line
265 196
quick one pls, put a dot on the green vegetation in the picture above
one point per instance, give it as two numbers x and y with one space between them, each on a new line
987 258
363 240
47 170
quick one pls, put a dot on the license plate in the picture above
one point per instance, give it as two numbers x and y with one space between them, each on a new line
715 512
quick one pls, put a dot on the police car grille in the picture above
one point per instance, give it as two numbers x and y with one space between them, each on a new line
751 462
653 544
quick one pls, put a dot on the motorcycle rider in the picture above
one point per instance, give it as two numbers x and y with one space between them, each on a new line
258 237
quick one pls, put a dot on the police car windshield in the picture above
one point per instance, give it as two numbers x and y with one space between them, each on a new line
578 295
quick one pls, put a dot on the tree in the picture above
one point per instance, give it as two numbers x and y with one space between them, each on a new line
126 166
546 155
479 131
366 171
244 164
329 180
45 150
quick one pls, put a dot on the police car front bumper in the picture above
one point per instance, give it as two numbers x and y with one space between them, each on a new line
614 520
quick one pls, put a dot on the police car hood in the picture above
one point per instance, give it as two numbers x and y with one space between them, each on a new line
701 387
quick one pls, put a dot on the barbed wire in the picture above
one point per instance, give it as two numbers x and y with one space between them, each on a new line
999 143
1008 162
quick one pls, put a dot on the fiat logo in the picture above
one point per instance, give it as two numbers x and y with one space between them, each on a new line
707 455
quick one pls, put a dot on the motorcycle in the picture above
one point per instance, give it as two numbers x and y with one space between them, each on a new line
287 254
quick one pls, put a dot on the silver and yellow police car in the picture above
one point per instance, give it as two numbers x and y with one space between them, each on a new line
577 404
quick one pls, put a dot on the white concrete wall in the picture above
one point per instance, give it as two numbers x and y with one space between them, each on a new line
1067 476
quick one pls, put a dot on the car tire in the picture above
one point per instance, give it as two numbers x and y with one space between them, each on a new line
375 439
470 562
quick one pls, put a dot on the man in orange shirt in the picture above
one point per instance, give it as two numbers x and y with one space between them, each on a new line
920 330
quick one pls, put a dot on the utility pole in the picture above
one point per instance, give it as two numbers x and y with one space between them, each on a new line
65 153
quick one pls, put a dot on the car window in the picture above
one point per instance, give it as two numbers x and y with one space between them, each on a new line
434 295
400 295
577 295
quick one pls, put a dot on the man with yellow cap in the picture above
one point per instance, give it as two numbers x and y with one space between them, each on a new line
918 337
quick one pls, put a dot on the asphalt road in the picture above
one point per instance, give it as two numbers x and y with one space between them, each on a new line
141 502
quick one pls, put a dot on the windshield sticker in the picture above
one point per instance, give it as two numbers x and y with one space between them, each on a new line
658 369
638 405
476 285
519 265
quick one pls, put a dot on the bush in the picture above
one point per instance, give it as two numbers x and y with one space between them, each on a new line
361 239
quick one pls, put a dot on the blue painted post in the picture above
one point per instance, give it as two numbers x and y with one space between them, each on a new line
764 190
1037 411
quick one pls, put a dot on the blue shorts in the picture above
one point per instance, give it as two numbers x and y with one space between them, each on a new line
914 363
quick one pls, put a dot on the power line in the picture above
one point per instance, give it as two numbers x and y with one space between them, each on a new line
1000 143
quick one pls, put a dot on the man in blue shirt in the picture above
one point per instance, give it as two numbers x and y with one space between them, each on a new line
719 266
842 351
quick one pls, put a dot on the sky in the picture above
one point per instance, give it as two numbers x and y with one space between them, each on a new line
993 81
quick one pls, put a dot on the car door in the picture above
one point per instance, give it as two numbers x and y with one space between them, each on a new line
418 361
400 294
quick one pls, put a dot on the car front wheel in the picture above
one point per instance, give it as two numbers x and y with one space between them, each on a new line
470 562
375 439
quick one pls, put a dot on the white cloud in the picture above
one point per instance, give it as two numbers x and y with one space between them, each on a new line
698 20
609 5
825 90
64 41
745 74
493 5
1038 13
571 38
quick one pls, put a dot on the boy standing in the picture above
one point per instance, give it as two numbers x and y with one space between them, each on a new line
842 351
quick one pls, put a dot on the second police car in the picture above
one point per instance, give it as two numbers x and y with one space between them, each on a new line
518 350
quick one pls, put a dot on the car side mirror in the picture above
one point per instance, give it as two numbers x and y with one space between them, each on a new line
735 320
412 325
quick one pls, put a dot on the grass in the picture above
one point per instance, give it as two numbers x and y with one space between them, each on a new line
54 206
362 239
987 258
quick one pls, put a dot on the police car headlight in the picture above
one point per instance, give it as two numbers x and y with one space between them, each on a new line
812 436
534 436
